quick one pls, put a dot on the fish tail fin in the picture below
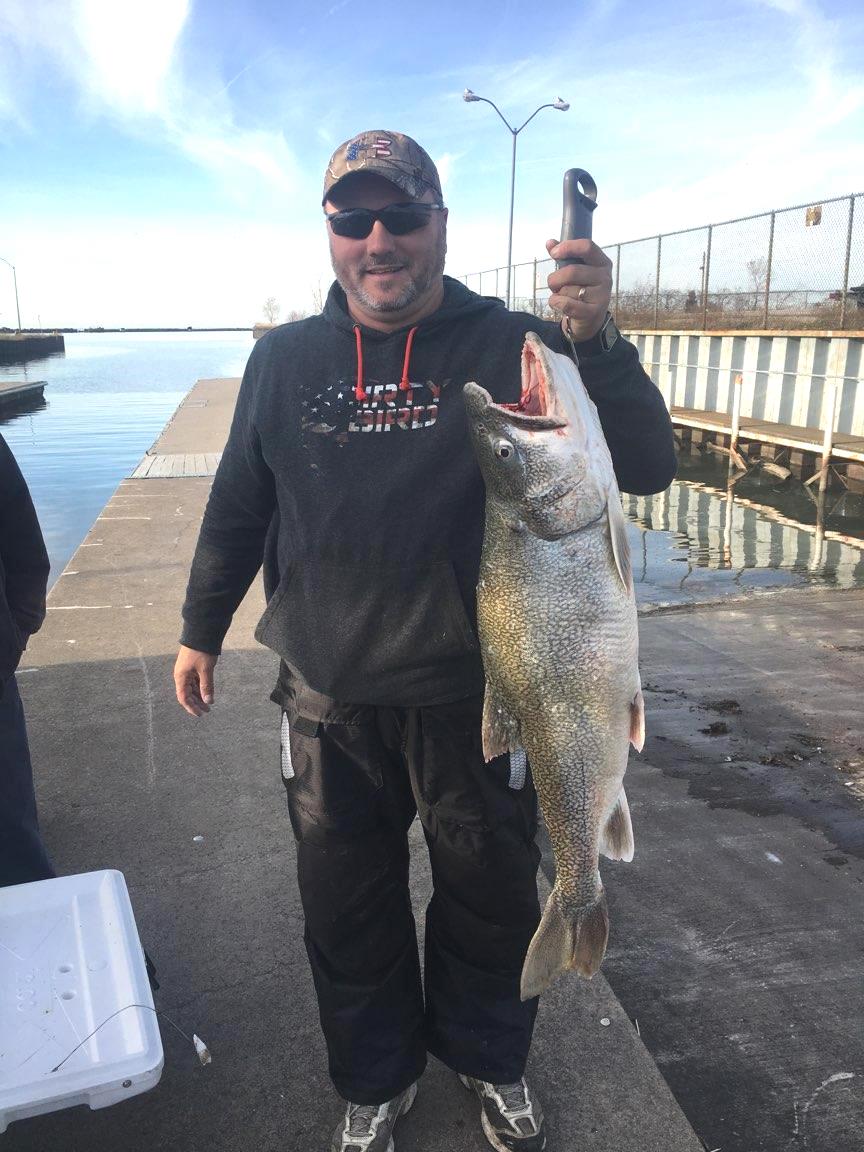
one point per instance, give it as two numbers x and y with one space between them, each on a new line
561 943
616 842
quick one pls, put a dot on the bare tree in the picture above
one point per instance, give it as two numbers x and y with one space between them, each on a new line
271 309
757 270
317 298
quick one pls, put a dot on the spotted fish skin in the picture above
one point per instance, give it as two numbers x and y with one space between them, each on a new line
558 633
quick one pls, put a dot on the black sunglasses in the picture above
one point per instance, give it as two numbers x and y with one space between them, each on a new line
398 219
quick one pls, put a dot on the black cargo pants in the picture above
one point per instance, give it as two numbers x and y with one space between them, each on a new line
355 778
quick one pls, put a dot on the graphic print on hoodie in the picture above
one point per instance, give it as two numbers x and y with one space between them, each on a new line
372 405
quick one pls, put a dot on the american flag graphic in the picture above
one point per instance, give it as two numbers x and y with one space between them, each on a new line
328 409
382 146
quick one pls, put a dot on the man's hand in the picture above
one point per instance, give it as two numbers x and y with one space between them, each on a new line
581 291
193 680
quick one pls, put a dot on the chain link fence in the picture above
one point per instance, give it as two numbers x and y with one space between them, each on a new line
793 268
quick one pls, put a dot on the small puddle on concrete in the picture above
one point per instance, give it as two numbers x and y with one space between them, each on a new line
705 539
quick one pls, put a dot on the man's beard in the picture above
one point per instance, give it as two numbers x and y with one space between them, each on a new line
424 276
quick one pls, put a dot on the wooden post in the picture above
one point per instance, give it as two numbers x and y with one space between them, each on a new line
833 382
819 538
833 385
737 390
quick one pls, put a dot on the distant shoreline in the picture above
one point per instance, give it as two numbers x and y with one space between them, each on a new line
10 334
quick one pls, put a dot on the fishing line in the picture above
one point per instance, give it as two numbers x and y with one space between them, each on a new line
200 1047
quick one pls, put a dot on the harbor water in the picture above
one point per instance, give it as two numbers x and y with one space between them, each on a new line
105 401
709 537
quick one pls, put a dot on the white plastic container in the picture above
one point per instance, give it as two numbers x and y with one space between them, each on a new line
70 958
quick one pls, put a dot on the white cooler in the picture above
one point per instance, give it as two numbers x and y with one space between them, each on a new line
70 958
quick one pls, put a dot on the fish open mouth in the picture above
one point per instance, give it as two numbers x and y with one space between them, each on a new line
538 406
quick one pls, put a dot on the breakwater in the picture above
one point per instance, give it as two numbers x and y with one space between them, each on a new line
18 347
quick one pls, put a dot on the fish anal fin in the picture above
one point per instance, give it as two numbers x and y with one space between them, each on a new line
500 730
618 536
616 842
637 721
561 944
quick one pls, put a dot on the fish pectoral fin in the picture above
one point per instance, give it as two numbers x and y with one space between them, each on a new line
616 842
560 944
500 730
618 535
637 721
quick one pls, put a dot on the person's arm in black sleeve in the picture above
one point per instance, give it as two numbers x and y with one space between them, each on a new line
634 416
231 542
22 548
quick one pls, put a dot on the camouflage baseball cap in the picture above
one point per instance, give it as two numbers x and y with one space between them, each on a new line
397 158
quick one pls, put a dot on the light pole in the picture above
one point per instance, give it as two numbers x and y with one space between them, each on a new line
561 106
15 282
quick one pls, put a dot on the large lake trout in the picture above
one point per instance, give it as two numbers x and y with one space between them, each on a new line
557 624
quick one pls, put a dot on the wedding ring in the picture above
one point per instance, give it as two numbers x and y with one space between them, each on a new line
580 295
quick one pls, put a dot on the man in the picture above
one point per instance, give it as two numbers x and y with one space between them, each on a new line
23 582
349 470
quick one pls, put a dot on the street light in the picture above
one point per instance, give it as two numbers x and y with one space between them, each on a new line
561 106
15 282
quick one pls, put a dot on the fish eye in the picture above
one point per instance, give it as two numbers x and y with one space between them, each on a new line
503 449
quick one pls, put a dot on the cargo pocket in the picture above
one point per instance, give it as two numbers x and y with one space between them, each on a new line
332 775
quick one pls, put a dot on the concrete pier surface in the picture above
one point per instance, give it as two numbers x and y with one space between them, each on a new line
734 960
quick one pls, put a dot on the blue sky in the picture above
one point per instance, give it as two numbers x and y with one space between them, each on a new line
162 162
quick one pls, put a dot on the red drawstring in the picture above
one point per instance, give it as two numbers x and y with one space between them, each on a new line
360 393
404 384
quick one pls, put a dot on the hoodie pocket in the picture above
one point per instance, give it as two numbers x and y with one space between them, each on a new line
364 634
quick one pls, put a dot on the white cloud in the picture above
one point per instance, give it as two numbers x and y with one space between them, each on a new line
127 64
129 50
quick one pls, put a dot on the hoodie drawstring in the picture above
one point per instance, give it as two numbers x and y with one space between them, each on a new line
404 383
360 392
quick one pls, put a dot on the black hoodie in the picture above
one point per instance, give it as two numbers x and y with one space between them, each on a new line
350 472
23 565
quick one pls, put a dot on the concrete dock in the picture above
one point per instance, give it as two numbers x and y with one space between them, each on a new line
127 780
733 974
20 392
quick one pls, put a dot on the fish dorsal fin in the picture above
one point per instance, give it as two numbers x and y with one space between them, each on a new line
618 536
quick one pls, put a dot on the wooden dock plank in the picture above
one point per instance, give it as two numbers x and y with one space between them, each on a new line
143 468
176 465
806 439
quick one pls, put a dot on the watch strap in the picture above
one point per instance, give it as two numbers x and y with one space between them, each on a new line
600 342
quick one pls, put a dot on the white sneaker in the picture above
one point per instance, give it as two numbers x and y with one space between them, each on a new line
511 1115
369 1127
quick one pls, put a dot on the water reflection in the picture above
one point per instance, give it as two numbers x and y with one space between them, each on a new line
14 406
716 533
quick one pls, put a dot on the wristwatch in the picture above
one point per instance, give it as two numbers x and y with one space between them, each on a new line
600 342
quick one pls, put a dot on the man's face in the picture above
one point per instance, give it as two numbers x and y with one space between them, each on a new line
389 280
